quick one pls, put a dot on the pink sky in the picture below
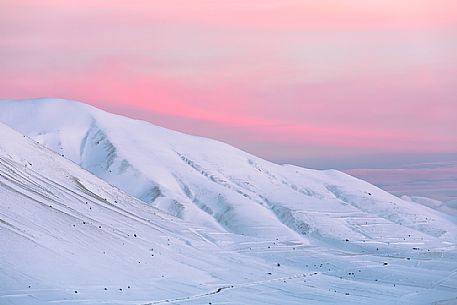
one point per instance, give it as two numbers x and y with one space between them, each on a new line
288 80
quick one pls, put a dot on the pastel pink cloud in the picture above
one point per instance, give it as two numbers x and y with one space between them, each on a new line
312 76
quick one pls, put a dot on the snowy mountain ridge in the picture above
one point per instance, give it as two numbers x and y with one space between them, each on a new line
213 202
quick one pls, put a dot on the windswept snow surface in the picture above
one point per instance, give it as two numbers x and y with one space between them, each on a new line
224 226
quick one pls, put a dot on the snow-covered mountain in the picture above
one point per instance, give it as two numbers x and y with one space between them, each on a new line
219 216
214 184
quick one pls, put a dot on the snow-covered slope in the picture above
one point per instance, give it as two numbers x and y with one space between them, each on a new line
251 213
67 236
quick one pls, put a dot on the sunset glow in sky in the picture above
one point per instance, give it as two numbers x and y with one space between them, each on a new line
312 82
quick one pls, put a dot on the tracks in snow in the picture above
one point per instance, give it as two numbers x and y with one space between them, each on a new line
225 288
